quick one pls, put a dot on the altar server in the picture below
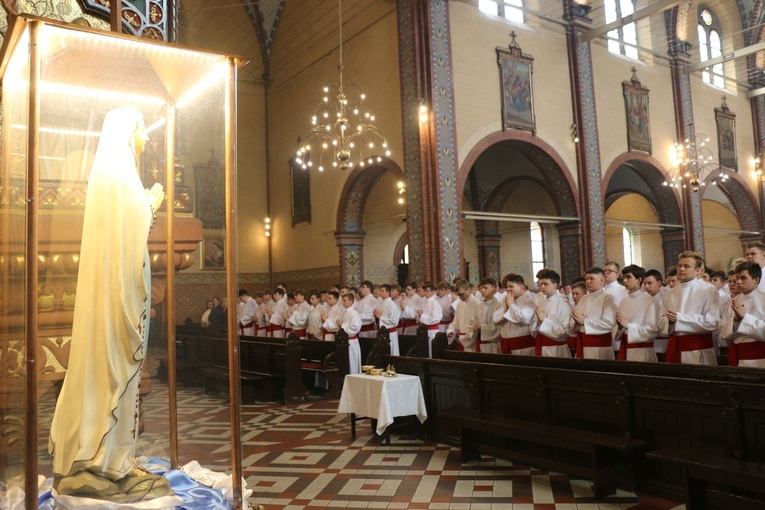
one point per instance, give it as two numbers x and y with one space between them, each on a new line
690 314
637 318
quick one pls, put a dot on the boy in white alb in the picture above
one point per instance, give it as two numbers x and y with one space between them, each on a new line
690 315
388 314
276 317
351 324
409 305
246 312
637 317
744 325
465 312
313 328
329 317
515 316
429 312
366 307
594 318
298 320
552 317
445 299
489 331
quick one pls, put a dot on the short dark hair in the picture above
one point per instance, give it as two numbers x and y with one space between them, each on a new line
243 293
635 270
428 286
655 273
597 270
279 291
299 291
579 285
386 287
315 293
671 271
549 274
512 277
754 270
488 281
335 294
367 283
348 295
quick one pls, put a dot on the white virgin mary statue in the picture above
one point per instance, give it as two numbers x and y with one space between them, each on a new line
94 429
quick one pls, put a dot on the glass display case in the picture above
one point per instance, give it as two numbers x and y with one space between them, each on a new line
73 243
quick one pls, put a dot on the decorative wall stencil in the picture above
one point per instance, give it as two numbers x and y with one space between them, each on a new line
726 136
515 72
636 109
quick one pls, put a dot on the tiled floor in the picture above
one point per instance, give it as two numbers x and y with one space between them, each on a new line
302 456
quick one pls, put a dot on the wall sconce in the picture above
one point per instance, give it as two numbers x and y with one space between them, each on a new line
268 226
757 166
401 192
423 113
574 132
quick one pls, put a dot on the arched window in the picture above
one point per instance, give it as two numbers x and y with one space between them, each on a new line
508 9
537 247
405 257
623 40
710 46
628 249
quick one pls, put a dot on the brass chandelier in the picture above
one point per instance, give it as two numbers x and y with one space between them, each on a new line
342 134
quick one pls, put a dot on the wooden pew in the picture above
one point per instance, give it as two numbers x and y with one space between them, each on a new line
714 482
327 358
267 365
716 411
482 432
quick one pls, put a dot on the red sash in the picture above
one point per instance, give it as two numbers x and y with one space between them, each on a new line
432 327
354 337
259 328
367 327
324 333
625 345
517 342
408 323
680 344
245 326
584 340
745 351
300 332
543 341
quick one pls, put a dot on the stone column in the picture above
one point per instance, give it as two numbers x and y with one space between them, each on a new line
430 155
679 53
488 256
570 238
593 237
672 244
351 262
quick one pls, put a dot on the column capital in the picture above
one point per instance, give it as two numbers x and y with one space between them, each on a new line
355 238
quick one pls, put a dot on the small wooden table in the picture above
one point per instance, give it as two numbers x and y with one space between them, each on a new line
381 399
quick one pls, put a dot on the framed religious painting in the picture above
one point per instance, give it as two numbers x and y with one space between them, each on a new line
726 136
637 113
213 251
516 88
300 179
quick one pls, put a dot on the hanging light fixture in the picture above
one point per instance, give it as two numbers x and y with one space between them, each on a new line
342 134
694 164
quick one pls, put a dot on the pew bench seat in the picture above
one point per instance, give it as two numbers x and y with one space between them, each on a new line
713 482
595 456
216 381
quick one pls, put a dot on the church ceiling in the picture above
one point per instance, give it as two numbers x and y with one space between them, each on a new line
265 16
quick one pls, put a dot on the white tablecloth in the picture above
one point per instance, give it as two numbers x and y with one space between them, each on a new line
383 398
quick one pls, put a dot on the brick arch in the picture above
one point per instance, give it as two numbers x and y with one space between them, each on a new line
739 194
556 174
556 178
663 199
349 231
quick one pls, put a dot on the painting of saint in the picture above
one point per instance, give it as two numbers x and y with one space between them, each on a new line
726 137
516 88
638 118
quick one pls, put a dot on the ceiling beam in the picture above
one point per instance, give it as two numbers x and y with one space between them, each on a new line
755 93
649 10
741 52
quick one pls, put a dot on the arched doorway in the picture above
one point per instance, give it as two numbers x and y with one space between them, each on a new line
517 178
730 219
370 191
641 211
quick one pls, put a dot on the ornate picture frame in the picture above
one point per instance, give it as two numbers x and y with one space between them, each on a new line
726 136
636 108
516 88
300 181
212 250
